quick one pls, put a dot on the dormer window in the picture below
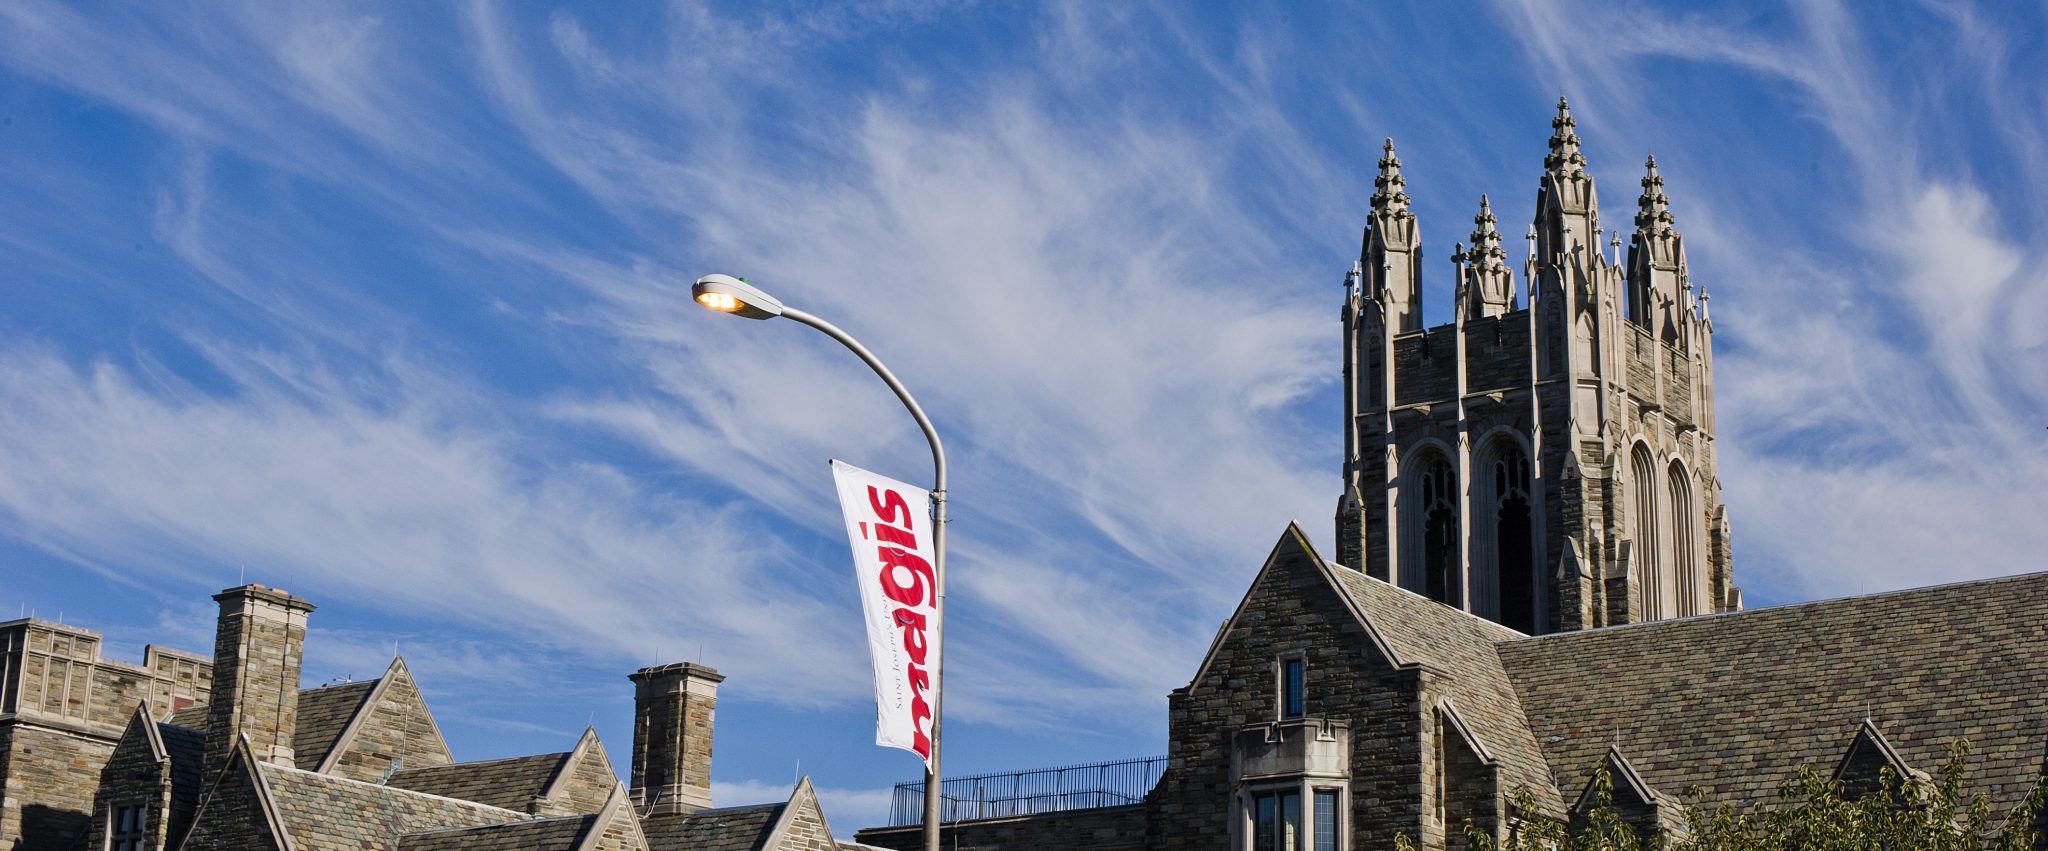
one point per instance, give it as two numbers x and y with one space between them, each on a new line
1293 687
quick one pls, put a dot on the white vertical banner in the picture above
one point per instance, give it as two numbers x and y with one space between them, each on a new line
889 524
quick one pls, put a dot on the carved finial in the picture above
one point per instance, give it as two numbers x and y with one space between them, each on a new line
1564 157
1390 190
1653 213
1486 252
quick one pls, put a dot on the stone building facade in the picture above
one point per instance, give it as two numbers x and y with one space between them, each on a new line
230 753
1533 587
1548 464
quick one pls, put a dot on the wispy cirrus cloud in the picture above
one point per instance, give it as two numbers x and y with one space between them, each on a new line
1880 407
394 301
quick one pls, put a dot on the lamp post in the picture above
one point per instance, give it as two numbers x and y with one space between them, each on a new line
727 294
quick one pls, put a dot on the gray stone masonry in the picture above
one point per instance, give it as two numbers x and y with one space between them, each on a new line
257 650
672 721
1579 362
62 708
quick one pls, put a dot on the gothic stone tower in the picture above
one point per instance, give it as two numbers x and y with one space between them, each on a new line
1550 466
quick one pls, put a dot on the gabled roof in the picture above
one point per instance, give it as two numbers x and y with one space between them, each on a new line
324 713
722 829
323 812
548 834
1735 703
513 783
397 677
583 832
1460 647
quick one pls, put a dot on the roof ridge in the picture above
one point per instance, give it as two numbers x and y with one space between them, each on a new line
326 686
269 766
474 762
715 810
530 820
1424 598
2038 575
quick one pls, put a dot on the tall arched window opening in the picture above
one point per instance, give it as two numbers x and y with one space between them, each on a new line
1514 539
1440 532
1684 559
1649 575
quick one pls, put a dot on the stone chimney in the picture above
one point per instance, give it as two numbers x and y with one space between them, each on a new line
672 707
257 649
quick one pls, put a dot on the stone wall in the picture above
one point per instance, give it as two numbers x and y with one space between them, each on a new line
259 642
398 727
133 776
1292 610
805 829
62 708
52 774
1103 829
673 707
231 816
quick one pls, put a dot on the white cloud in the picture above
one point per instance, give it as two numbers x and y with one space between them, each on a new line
1879 408
398 500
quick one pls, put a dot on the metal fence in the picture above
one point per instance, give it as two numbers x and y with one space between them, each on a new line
1040 790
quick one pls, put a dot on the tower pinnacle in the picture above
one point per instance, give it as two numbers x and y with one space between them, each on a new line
1486 253
1488 285
1390 189
1653 214
1564 157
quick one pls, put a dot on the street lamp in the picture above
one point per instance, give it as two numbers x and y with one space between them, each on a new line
727 294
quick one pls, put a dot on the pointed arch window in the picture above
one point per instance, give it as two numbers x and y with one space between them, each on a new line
1513 538
1649 574
1684 543
1439 520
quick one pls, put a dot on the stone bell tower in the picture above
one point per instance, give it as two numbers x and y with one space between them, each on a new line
1547 465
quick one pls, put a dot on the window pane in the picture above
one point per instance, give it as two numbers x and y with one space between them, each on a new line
1262 822
1326 820
1290 821
1291 702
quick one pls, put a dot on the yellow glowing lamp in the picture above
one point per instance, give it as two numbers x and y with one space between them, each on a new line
727 294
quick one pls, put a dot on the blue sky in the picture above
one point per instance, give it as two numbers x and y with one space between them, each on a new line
388 305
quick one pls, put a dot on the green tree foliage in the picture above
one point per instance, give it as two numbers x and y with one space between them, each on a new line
1903 814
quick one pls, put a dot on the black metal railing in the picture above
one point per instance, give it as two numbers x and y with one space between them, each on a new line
1039 790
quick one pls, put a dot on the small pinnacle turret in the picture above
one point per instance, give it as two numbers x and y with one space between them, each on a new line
1653 214
1489 284
1564 157
1486 252
1390 190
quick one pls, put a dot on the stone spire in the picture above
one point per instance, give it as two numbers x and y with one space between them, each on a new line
1564 157
1653 213
1658 298
1490 283
1390 190
1486 252
1390 253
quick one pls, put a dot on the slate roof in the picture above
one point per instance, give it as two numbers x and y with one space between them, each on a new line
324 713
535 835
193 717
510 783
722 829
324 812
187 750
1735 703
1421 631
